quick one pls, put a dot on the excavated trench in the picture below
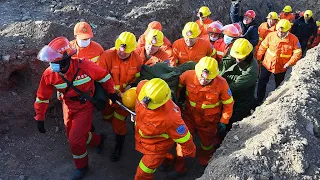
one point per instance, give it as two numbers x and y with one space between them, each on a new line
27 26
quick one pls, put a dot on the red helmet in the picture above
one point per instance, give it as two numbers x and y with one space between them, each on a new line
215 27
56 50
237 25
231 30
250 13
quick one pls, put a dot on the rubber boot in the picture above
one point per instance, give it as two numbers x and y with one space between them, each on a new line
79 173
100 147
116 155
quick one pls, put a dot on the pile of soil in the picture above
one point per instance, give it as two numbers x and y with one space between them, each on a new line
281 139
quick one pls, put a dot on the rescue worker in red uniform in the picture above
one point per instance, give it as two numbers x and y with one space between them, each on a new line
214 32
77 111
317 39
124 64
223 46
191 47
158 127
287 14
86 48
209 106
152 52
204 20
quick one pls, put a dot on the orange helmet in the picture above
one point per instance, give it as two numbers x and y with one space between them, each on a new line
250 13
153 25
83 30
231 30
215 27
58 49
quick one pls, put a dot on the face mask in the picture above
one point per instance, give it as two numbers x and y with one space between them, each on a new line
227 39
213 38
83 43
55 67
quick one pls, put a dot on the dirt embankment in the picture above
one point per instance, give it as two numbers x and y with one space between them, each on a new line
281 139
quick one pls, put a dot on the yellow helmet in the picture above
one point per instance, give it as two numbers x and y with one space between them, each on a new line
126 42
308 12
287 9
318 23
154 93
241 48
204 11
191 30
284 24
155 37
273 15
129 98
209 64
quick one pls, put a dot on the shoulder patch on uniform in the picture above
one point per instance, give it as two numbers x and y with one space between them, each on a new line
299 45
181 129
229 92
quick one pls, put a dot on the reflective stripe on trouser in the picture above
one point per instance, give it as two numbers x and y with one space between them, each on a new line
148 165
78 127
107 113
118 121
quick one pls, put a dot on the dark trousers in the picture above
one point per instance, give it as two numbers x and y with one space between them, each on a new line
263 81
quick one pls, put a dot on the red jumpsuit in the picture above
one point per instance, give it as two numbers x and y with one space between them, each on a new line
92 52
77 116
206 106
222 49
156 131
123 73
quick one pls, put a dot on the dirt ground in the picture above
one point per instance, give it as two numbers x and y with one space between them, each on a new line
25 26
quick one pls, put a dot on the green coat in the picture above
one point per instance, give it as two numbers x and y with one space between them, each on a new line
242 83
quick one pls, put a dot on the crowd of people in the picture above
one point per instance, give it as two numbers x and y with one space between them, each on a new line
218 91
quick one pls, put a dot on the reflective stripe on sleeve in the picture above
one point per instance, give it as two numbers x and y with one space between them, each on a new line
118 116
145 169
61 86
137 74
213 52
206 148
183 139
220 53
297 51
207 106
41 101
229 101
180 85
95 59
106 78
264 45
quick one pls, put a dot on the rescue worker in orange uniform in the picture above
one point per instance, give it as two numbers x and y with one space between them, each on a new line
86 48
209 106
77 110
166 42
287 14
158 127
223 46
204 20
124 64
191 47
152 53
278 51
214 32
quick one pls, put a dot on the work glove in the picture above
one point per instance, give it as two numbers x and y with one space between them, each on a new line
114 97
222 129
40 125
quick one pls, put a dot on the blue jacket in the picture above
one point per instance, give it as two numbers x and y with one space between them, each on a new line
249 31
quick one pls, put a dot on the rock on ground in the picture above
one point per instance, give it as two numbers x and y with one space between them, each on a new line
280 140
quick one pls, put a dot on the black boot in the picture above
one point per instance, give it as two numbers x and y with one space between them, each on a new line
79 173
100 147
116 155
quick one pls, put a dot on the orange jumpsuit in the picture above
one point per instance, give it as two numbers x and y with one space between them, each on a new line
204 26
159 56
291 17
277 52
222 49
263 31
200 49
77 117
166 46
123 73
206 106
156 131
92 52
